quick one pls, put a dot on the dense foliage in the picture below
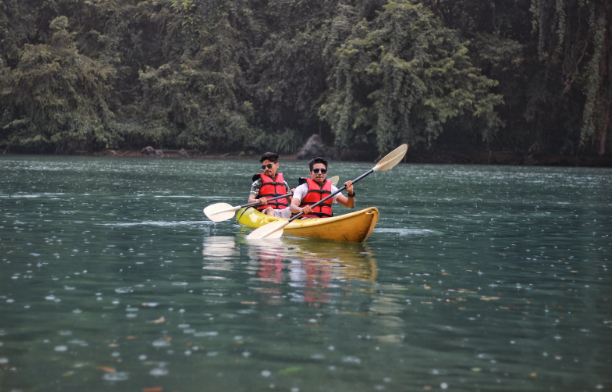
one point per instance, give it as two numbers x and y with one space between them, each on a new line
218 75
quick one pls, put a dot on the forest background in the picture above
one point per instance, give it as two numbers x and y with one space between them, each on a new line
523 76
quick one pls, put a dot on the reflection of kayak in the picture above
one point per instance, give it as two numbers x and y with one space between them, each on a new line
341 260
348 260
354 227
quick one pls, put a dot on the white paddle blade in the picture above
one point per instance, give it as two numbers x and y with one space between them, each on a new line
391 159
334 180
269 231
220 212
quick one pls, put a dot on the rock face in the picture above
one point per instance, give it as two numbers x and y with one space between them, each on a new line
529 161
183 154
151 152
314 147
148 151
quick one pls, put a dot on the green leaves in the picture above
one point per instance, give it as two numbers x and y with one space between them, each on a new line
55 99
244 75
400 77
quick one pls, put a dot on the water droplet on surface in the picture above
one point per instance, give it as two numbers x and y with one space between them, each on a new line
205 334
161 343
351 359
117 376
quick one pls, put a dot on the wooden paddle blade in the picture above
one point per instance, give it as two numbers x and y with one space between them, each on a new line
271 230
391 159
220 211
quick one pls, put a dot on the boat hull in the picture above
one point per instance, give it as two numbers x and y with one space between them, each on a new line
353 227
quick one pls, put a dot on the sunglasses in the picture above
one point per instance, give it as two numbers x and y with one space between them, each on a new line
269 166
316 171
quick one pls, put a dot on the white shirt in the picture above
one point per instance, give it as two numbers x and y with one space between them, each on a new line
302 190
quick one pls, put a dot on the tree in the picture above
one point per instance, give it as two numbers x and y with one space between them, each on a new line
575 38
289 73
401 77
56 99
198 96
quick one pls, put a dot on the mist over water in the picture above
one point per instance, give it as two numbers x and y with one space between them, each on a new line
483 278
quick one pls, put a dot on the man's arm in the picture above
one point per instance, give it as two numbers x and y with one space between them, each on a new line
289 190
348 202
298 194
255 187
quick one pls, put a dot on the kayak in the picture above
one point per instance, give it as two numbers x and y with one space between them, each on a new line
354 227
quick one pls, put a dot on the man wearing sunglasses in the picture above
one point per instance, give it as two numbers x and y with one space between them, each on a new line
270 184
316 188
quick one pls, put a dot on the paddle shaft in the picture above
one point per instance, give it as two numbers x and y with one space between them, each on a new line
258 202
331 195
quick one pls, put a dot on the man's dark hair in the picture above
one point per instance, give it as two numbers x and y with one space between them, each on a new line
270 156
317 160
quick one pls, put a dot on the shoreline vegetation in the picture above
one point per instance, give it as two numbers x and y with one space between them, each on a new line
435 157
463 81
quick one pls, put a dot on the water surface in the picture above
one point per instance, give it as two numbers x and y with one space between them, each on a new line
477 278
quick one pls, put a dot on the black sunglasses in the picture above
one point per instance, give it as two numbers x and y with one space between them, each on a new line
269 166
316 171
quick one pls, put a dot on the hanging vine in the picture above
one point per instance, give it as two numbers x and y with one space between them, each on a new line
579 48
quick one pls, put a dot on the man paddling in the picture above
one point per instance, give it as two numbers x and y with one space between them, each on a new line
270 184
316 188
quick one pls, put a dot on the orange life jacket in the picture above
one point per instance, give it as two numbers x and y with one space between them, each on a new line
272 188
315 194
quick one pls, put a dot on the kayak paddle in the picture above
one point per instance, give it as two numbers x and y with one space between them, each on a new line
275 229
222 211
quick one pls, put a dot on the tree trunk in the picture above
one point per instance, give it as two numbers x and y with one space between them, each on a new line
604 133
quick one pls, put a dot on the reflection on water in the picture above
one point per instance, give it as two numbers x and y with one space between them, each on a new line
219 252
309 267
343 260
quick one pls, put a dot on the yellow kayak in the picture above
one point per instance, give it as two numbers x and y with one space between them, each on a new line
354 227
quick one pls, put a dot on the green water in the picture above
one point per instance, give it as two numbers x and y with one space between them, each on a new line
477 278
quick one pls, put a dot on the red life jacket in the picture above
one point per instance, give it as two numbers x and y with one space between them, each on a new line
315 194
272 188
